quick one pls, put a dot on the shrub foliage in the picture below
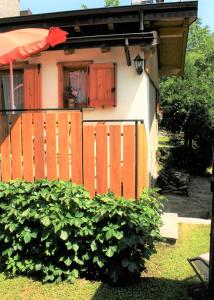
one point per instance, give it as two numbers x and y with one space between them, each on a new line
54 231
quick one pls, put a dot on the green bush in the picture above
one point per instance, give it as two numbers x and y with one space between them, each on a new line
53 231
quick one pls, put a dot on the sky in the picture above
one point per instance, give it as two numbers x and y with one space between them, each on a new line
205 12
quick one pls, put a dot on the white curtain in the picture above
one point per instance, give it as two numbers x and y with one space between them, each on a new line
78 84
18 89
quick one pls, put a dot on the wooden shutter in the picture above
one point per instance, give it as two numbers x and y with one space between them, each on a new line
60 85
1 98
32 87
101 85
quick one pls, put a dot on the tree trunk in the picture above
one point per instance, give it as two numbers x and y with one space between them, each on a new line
186 146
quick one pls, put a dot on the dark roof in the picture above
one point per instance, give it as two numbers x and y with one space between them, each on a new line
109 27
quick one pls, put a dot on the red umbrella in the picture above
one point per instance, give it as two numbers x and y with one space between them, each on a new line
22 43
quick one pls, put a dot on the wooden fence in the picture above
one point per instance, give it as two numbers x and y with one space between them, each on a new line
58 145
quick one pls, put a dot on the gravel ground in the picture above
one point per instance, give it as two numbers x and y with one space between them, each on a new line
197 205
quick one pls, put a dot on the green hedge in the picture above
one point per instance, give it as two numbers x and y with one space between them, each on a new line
54 231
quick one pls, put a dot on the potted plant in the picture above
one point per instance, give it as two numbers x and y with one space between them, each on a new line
69 98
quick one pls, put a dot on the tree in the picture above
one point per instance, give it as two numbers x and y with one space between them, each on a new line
109 3
84 6
188 102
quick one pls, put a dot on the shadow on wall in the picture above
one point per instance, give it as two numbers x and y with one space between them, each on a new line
153 133
7 121
147 289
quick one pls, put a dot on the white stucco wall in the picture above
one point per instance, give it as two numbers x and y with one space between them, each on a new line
153 135
135 95
9 8
131 89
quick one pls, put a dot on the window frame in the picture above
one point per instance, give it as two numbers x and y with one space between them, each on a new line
82 64
72 64
24 66
16 66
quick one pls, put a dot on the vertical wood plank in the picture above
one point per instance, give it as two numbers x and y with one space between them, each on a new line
60 85
129 161
89 159
143 176
32 86
76 147
63 145
39 149
5 148
101 159
16 147
51 146
27 142
39 88
115 159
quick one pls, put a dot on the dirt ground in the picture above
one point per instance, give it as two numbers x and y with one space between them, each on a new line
197 205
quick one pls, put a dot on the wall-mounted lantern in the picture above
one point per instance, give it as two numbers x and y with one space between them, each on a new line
139 64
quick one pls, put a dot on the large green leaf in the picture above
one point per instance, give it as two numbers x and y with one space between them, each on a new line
93 246
69 245
109 253
68 261
75 247
27 237
64 235
109 234
46 221
13 227
38 267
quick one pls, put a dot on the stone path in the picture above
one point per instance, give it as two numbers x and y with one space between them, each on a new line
169 230
197 205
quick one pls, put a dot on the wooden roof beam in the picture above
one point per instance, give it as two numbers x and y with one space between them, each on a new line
169 16
111 26
172 32
76 22
127 53
170 70
141 21
105 49
103 20
77 28
185 38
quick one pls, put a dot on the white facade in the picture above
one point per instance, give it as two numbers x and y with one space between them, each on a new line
136 96
9 8
131 89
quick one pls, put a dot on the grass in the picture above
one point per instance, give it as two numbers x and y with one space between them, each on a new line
167 277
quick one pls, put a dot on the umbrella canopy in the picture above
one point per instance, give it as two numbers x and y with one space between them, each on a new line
22 43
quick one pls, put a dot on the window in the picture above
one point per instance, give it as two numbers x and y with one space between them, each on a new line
75 86
27 87
82 84
5 89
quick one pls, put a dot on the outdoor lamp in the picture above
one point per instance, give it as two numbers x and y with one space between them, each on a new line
139 64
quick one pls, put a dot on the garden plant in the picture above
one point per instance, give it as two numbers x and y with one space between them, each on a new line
54 231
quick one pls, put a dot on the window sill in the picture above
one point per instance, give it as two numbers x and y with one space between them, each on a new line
88 108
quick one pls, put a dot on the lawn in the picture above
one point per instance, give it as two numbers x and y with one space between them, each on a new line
167 277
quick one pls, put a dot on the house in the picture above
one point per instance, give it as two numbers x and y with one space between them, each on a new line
87 109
